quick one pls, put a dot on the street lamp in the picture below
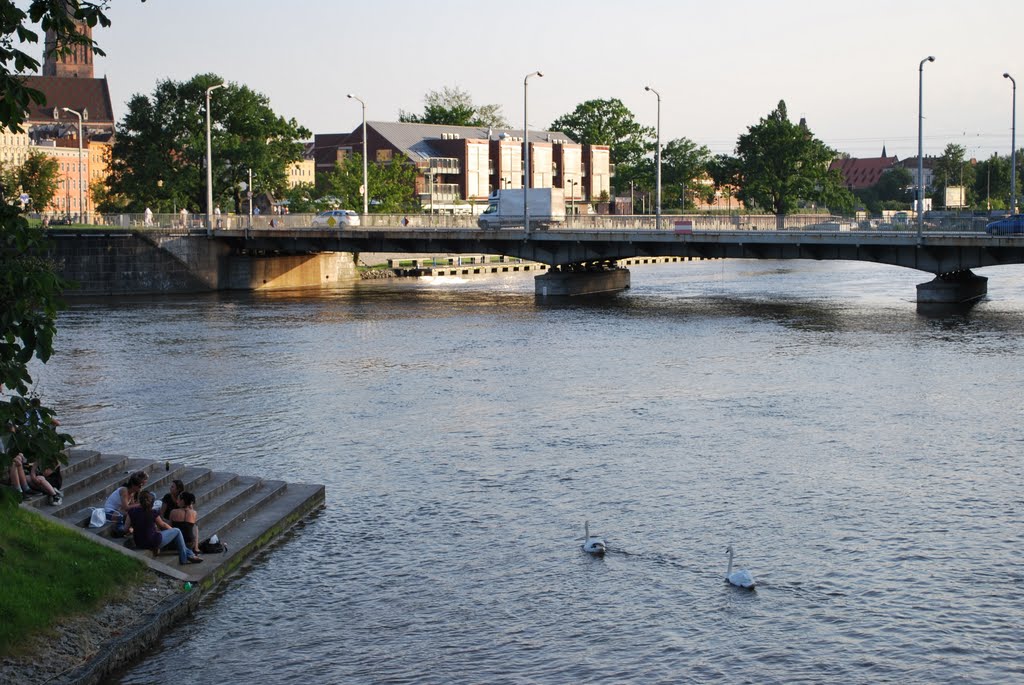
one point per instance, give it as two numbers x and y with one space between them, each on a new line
657 152
82 116
366 189
209 161
526 144
572 198
920 145
1013 149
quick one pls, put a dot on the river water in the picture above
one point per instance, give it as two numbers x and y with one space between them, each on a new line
862 458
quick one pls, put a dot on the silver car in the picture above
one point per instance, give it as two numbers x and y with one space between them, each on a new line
336 217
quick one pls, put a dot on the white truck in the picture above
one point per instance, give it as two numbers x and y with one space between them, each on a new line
505 208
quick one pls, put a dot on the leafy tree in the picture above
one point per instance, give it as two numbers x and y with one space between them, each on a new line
301 198
391 184
159 153
30 287
992 181
782 164
609 122
953 169
38 178
454 107
683 162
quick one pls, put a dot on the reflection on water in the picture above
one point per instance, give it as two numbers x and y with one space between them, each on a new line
860 456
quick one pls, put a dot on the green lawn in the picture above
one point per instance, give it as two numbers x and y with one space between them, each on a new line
47 572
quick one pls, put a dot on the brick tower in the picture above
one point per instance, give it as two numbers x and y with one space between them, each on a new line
76 63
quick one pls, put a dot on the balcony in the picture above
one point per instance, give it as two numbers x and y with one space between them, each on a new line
442 165
441 192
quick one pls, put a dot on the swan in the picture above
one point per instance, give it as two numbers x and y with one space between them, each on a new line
592 544
740 578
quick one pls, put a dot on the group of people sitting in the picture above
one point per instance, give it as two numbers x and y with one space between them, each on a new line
170 523
30 481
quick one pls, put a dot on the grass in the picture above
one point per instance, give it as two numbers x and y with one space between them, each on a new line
47 572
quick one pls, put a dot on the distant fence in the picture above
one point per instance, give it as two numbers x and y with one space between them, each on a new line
708 222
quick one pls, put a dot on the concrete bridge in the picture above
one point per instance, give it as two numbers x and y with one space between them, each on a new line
584 259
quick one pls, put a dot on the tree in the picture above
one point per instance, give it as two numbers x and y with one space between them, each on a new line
953 169
609 122
38 178
782 164
392 184
159 154
683 162
454 107
992 181
30 287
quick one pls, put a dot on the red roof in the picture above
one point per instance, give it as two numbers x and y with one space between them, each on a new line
74 93
862 173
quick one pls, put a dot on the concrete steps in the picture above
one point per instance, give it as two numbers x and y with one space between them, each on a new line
245 512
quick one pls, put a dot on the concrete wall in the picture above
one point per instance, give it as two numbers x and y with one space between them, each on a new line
127 264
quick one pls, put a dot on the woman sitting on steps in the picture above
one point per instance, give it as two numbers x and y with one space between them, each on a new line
153 533
185 519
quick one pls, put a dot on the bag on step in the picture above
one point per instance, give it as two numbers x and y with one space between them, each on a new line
212 546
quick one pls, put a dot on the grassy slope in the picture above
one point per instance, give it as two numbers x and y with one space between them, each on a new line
47 572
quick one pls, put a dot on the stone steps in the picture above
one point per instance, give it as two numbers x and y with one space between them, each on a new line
245 512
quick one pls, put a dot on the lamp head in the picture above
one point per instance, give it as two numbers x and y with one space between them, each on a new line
350 96
540 74
647 87
931 58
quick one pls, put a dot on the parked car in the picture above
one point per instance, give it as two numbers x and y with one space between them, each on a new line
1011 224
336 217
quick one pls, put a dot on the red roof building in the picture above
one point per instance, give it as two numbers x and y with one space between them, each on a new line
862 173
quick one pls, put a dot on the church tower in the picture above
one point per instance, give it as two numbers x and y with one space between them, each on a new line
76 63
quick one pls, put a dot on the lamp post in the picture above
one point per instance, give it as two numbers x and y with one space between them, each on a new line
526 145
920 145
366 189
1013 149
82 116
572 198
209 161
657 153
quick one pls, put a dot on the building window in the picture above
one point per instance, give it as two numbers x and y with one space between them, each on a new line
384 155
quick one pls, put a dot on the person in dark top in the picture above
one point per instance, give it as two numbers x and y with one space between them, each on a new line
170 500
153 533
185 519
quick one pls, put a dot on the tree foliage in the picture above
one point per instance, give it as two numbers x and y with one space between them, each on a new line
391 185
39 178
30 287
454 106
782 165
610 122
683 164
159 154
952 169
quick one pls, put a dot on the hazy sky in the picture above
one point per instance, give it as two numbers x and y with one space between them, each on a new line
850 68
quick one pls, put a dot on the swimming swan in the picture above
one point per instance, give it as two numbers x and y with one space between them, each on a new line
740 578
592 544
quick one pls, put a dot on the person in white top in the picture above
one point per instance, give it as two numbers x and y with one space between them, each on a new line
120 501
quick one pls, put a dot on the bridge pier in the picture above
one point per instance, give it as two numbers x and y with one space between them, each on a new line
953 288
567 283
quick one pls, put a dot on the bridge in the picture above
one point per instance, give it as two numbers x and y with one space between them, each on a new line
586 257
583 254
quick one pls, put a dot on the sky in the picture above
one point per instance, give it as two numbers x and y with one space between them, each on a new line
850 68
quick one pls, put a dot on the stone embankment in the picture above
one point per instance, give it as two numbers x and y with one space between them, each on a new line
246 512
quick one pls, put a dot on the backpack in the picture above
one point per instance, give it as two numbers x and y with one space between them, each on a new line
207 547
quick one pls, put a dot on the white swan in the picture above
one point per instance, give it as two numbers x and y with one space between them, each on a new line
742 577
592 544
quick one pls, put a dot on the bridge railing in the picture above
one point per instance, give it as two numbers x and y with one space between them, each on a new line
715 222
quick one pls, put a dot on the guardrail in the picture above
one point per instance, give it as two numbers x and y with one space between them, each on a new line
697 222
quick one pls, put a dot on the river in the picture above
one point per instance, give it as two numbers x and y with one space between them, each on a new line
862 458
